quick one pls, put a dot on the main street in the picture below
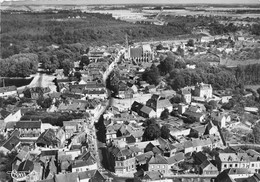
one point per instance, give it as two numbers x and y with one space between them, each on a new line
98 144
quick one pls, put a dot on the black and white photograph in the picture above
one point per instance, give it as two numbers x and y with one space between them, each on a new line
129 91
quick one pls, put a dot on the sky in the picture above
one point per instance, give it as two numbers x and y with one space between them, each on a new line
136 1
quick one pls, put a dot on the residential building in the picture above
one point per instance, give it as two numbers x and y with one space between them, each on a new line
125 161
203 90
159 104
158 163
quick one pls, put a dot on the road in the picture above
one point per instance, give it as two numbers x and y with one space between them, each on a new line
97 144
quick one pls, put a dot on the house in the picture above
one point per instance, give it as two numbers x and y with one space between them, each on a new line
198 117
175 160
34 170
72 127
150 176
10 116
142 159
139 55
227 160
220 119
159 104
82 165
31 129
235 173
8 91
203 90
125 161
10 144
186 95
182 108
91 175
48 139
211 129
207 168
66 177
95 94
147 112
158 163
150 89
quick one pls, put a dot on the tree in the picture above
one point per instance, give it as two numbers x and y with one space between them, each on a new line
152 75
113 81
256 133
152 130
78 75
51 64
165 132
44 102
67 65
165 114
190 43
84 61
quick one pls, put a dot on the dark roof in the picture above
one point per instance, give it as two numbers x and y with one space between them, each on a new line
48 138
200 157
176 158
49 152
28 124
4 114
158 159
7 89
93 175
26 165
11 143
224 177
136 106
136 52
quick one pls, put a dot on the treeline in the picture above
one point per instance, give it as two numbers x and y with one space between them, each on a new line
178 76
19 65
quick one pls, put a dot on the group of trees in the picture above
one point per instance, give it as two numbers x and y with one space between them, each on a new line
19 65
153 130
56 119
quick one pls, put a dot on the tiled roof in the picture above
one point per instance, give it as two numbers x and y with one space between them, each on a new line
26 165
176 158
163 103
67 177
152 175
228 157
11 143
28 124
158 159
4 114
146 109
48 138
144 157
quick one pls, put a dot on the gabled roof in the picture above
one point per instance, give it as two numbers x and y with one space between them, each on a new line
11 143
4 114
48 137
26 165
146 110
158 159
225 157
67 177
28 124
176 158
144 157
93 175
88 158
152 175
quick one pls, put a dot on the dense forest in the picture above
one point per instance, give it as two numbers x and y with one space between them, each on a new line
31 32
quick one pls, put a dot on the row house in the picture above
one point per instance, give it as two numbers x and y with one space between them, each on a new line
237 160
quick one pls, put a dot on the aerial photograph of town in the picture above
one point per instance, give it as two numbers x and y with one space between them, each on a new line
130 91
